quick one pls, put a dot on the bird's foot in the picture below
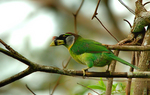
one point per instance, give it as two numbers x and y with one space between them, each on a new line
84 70
107 71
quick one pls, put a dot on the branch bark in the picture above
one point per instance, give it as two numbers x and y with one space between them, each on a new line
141 86
33 67
129 48
142 19
16 77
36 67
49 69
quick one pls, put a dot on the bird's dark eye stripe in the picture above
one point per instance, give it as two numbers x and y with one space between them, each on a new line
55 42
65 41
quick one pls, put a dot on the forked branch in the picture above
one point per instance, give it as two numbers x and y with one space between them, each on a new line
95 15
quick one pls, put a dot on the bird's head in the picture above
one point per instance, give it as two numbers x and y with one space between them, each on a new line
66 39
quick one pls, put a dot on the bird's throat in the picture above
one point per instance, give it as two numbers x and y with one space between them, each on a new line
69 47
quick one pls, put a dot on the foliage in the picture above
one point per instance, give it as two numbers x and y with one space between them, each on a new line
117 88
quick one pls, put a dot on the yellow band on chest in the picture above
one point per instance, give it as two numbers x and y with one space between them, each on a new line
70 46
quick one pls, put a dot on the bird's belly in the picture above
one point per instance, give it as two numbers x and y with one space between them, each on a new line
95 59
102 61
78 59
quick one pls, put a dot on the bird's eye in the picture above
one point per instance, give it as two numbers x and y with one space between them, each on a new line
64 35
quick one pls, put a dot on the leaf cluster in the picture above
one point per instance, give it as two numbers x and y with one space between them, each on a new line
117 88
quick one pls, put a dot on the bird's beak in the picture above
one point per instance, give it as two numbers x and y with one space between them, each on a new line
52 43
57 42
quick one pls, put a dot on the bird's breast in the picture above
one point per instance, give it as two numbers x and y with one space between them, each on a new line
97 59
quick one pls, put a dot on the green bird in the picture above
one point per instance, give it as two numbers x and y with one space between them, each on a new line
86 51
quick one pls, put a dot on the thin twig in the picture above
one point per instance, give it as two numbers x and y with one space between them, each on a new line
15 56
127 7
65 66
89 88
13 52
30 90
146 3
57 83
75 17
106 29
128 23
128 87
112 69
7 46
94 15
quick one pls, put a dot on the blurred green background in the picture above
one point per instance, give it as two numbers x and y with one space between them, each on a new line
28 27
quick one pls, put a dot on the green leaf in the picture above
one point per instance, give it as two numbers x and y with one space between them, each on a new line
97 87
101 83
122 87
114 86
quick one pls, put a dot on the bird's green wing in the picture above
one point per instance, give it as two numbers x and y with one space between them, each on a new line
88 46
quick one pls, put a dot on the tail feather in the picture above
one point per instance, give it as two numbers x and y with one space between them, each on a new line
122 61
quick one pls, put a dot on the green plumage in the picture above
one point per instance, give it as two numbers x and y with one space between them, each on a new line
87 52
92 53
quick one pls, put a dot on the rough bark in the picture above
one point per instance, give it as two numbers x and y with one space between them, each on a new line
142 86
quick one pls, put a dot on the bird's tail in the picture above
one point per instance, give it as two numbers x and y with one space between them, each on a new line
122 61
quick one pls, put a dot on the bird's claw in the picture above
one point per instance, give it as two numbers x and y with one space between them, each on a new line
107 71
84 70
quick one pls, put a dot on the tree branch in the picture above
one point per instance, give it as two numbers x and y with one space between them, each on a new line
33 67
128 87
128 48
16 56
112 69
16 77
50 69
56 70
